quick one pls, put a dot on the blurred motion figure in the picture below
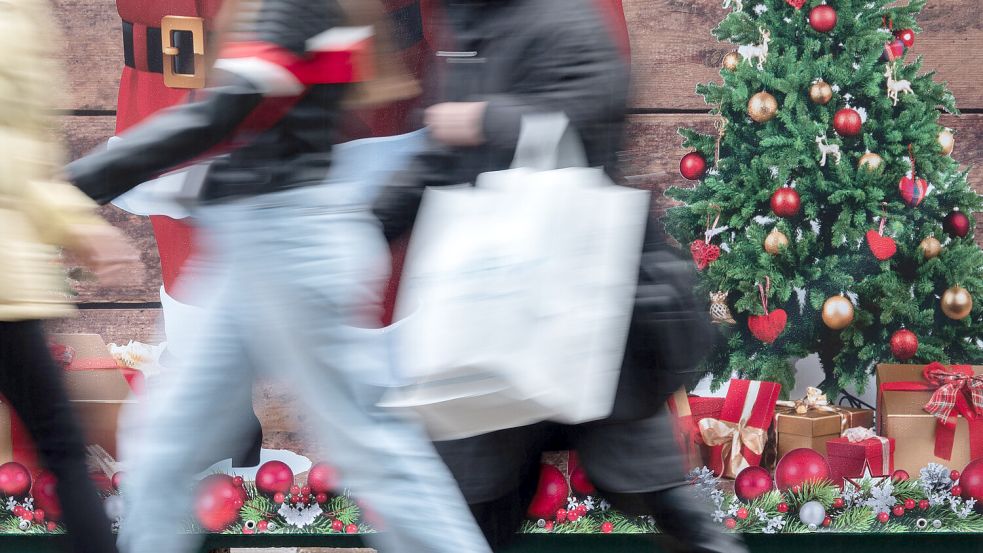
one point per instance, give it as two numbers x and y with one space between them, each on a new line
499 61
38 214
301 266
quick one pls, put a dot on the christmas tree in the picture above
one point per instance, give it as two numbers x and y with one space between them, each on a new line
829 216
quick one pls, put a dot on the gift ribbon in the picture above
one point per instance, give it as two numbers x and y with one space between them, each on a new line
859 434
956 391
814 400
716 432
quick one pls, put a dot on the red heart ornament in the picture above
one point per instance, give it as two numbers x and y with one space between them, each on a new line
912 190
768 327
797 4
703 254
883 247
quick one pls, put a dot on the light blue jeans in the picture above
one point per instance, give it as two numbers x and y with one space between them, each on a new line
298 290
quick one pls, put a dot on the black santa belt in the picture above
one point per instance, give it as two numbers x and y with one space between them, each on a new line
143 49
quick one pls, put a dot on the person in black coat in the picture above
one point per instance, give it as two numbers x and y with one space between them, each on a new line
502 59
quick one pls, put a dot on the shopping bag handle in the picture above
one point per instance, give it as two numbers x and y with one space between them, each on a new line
548 141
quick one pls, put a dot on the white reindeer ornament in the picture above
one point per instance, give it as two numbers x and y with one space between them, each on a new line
827 150
894 88
757 51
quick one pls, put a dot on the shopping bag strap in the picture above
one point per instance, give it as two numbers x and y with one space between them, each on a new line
547 141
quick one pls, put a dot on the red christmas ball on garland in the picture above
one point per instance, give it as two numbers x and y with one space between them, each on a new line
15 480
956 224
800 466
883 518
785 202
45 495
822 18
904 346
692 166
971 483
274 477
322 478
551 495
217 502
730 524
906 36
847 122
751 483
900 475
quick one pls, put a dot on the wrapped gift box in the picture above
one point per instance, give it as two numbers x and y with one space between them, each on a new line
747 414
815 427
901 416
846 458
97 389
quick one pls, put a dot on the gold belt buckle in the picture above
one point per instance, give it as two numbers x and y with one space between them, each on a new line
195 26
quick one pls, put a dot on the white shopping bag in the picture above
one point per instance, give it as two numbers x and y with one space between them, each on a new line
517 293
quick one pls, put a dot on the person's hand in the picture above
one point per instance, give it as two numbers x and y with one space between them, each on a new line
457 123
106 252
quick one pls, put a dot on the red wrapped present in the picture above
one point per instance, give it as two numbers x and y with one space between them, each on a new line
859 446
687 433
737 437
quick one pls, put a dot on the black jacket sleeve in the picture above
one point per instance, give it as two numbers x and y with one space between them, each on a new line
169 139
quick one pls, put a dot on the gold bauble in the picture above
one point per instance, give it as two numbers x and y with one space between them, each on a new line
870 161
731 61
931 247
820 92
947 141
775 241
957 303
838 312
762 107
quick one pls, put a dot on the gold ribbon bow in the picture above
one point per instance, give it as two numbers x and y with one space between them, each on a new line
814 399
717 432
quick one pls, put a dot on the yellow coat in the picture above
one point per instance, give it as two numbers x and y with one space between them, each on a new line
36 212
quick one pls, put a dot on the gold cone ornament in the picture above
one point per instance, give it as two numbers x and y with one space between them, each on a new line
947 141
930 247
775 242
762 107
731 61
719 310
957 303
871 162
838 312
820 92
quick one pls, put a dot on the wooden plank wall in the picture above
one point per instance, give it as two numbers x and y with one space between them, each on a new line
672 52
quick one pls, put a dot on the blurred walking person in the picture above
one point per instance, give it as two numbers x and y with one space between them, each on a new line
38 214
302 265
502 60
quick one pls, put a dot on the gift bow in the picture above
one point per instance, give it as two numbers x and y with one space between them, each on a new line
953 387
717 432
814 399
858 434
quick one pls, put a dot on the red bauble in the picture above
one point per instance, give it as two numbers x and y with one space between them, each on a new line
279 498
15 480
274 477
956 224
827 522
751 483
607 527
923 504
295 490
52 526
337 525
561 515
217 502
351 529
45 495
551 495
785 202
800 466
909 504
573 516
823 18
38 515
838 503
971 482
742 513
322 478
321 498
730 524
900 475
904 346
549 526
768 328
907 36
912 190
954 475
883 518
898 510
581 483
957 491
847 122
692 166
782 507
